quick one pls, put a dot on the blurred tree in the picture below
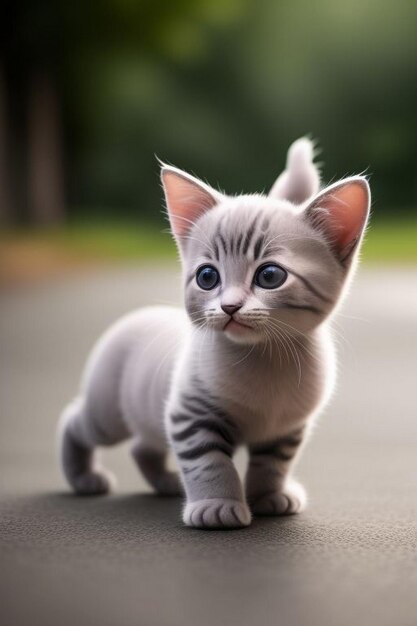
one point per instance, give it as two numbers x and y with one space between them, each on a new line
89 91
31 54
5 198
44 47
229 107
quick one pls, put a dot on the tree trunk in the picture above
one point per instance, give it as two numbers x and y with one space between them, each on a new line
45 166
6 209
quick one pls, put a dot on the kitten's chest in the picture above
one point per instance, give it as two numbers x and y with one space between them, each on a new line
268 401
270 413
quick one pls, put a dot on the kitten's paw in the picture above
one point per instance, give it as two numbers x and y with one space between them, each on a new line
169 484
95 483
292 499
217 513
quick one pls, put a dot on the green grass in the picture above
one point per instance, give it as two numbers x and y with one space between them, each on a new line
386 241
391 241
99 241
123 241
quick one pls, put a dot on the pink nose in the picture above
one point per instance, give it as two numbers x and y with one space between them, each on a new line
231 308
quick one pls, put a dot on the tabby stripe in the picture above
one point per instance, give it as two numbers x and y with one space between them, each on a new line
239 242
206 424
210 466
223 242
209 479
232 245
265 223
276 449
281 455
179 418
190 470
264 463
210 404
200 402
248 237
216 250
302 307
192 408
210 408
277 453
291 440
201 450
258 246
311 287
203 394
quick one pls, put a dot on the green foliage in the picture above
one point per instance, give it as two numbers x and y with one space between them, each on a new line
118 241
392 241
221 87
228 105
388 241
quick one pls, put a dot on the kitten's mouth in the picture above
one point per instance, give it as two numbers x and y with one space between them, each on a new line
236 326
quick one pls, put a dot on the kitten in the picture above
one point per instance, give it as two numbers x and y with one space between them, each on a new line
251 362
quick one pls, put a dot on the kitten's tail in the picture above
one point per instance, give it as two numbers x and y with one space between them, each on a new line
301 178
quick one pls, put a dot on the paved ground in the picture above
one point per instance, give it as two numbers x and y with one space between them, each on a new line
126 559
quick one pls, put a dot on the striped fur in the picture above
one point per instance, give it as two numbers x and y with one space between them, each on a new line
204 381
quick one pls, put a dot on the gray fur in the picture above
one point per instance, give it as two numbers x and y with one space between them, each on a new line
204 383
300 180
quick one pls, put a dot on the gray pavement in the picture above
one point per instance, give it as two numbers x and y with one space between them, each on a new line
126 559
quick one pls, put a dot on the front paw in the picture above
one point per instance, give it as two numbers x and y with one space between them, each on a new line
217 513
288 501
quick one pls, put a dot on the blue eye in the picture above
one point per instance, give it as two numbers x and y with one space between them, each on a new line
207 277
270 276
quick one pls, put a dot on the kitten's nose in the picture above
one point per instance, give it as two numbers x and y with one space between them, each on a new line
230 308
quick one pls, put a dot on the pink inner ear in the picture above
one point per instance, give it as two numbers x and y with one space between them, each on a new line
186 201
347 207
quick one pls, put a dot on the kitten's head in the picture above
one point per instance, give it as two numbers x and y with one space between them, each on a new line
257 267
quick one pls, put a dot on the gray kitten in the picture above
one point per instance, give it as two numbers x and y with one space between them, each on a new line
251 362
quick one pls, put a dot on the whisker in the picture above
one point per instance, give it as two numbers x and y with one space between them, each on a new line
293 352
245 357
302 345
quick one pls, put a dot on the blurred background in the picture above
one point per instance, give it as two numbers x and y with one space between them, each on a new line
91 91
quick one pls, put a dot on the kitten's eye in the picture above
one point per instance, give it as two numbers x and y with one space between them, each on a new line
207 277
270 276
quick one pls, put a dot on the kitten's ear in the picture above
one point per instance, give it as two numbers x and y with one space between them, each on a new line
187 199
341 211
301 179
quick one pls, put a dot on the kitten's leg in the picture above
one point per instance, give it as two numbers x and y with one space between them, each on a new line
152 464
204 443
269 489
77 453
